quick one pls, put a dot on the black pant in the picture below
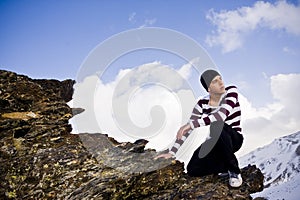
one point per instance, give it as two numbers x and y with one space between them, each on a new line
216 154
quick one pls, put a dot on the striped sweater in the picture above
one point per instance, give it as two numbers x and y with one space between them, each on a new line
203 114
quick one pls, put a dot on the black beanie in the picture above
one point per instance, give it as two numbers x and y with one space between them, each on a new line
207 77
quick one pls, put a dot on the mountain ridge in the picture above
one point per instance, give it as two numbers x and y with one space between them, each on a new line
279 161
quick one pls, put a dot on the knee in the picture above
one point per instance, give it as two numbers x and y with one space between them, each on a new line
238 142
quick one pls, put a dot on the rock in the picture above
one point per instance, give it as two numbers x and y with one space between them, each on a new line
77 111
40 159
298 151
260 198
63 89
164 180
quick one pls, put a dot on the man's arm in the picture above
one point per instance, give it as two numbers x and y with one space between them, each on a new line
182 134
185 131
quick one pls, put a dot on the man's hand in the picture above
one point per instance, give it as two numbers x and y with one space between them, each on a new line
183 130
165 155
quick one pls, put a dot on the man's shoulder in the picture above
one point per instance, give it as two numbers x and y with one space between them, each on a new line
231 87
203 100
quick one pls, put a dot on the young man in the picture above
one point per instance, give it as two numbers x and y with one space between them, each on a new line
221 110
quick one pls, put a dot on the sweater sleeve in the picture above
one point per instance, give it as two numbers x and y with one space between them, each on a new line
197 113
221 113
178 143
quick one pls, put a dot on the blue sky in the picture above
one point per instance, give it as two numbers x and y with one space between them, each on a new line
255 44
50 39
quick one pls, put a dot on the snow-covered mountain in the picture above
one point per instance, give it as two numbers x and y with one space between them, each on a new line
280 164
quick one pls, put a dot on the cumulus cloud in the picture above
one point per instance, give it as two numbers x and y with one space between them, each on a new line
262 125
285 89
126 107
167 90
186 70
233 25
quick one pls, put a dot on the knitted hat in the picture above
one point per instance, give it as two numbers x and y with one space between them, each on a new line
207 77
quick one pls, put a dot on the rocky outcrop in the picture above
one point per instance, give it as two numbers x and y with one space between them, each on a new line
40 159
298 151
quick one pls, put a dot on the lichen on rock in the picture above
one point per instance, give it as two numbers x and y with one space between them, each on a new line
41 159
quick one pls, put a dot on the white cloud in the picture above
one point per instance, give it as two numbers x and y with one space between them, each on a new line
166 89
186 70
232 26
148 22
262 125
81 96
285 88
131 17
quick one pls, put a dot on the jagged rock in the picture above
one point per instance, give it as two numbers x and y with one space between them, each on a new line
140 177
63 89
77 111
298 150
40 159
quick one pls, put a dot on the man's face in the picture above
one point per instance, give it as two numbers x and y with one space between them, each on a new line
217 86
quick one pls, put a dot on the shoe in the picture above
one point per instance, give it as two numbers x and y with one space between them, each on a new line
235 180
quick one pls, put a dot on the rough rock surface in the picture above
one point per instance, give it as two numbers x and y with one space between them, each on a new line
298 150
40 159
